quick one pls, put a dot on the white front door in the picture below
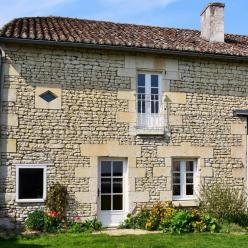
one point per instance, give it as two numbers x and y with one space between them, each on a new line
111 192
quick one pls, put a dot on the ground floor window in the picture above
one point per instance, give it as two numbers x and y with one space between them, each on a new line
30 183
183 178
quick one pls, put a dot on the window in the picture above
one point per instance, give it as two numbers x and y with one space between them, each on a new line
149 103
183 179
30 183
48 96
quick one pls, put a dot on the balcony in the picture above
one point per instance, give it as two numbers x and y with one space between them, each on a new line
151 116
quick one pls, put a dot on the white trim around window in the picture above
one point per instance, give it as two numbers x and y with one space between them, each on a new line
184 178
31 166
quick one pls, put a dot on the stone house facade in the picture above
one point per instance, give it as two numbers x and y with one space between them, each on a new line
120 123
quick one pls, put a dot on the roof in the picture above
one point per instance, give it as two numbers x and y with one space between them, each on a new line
100 33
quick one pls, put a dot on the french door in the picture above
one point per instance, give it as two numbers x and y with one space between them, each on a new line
111 192
149 100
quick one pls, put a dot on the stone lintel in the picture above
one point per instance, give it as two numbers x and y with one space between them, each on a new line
185 150
110 150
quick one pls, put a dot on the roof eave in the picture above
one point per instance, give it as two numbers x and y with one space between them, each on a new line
125 48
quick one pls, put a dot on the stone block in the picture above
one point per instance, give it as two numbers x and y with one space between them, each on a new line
124 72
165 195
136 172
126 95
86 197
9 120
238 152
8 145
8 95
238 172
175 120
131 162
175 97
125 117
186 203
85 172
185 150
141 196
238 128
206 172
41 103
162 171
110 150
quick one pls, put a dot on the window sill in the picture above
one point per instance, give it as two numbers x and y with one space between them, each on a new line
150 131
185 203
30 200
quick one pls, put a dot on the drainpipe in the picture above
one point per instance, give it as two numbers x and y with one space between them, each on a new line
244 113
2 56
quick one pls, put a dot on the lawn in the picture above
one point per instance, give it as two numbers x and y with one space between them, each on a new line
130 241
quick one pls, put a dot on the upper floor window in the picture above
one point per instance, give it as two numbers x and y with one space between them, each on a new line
149 101
183 179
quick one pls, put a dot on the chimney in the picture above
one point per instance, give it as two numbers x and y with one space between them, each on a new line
212 22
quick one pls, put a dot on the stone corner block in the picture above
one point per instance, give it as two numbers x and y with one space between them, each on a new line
8 145
8 95
239 128
238 152
9 120
238 172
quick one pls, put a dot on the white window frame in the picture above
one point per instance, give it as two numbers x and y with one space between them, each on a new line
183 195
32 166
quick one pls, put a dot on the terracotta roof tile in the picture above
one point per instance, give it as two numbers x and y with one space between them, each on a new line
126 35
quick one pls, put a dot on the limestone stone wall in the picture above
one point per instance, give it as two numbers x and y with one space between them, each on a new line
94 117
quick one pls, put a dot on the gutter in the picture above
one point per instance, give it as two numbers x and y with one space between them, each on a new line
126 49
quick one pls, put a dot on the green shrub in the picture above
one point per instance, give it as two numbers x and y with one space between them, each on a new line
186 221
86 226
57 198
224 202
35 220
136 221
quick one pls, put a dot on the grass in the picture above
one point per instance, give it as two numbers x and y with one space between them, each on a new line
130 241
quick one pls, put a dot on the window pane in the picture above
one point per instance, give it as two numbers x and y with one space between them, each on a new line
117 168
106 168
106 185
30 183
154 91
189 189
105 202
189 165
176 177
176 165
117 185
117 202
154 107
141 79
154 80
176 189
189 177
141 90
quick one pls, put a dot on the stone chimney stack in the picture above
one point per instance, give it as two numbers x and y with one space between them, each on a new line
212 22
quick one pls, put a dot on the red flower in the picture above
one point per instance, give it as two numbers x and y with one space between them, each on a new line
53 214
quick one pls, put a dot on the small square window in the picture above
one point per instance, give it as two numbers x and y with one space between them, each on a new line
48 96
30 183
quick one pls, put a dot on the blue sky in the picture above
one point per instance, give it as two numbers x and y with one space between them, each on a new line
166 13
